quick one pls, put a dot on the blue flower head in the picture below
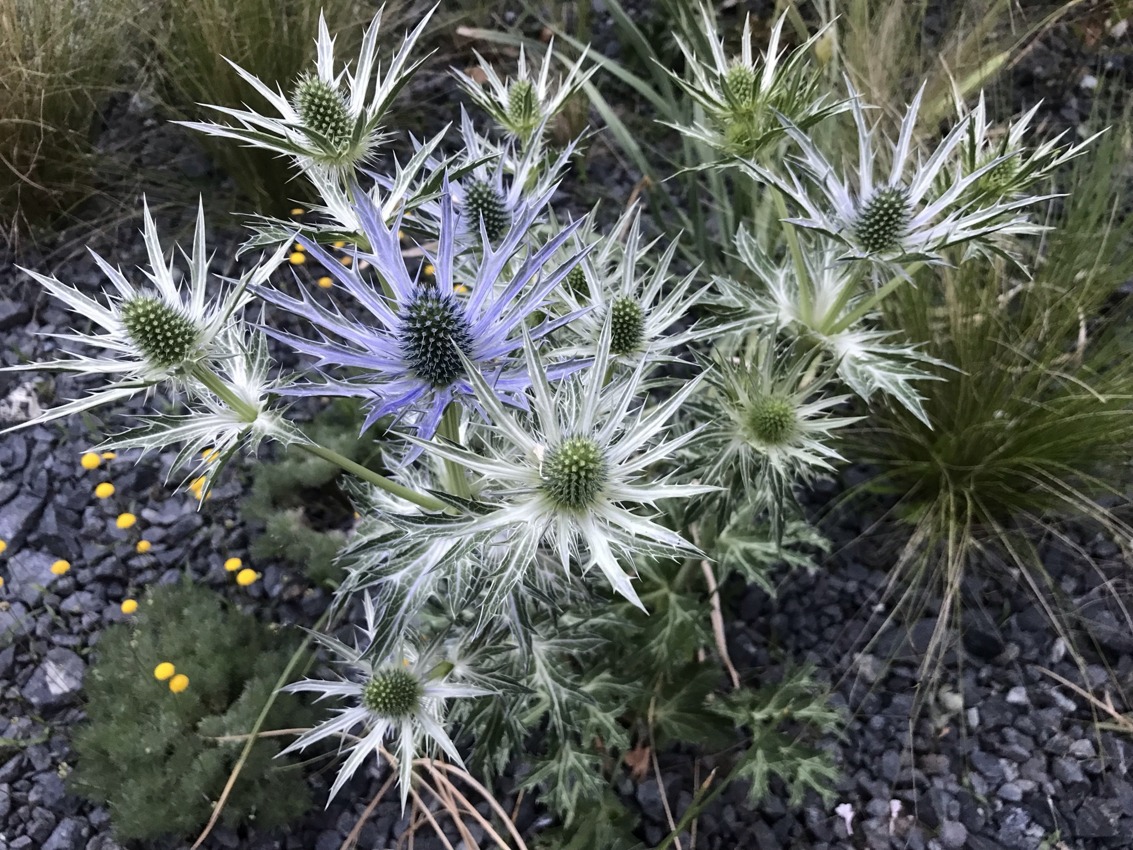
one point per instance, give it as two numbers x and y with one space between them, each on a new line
405 349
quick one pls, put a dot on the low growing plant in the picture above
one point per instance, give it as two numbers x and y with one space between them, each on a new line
170 698
586 435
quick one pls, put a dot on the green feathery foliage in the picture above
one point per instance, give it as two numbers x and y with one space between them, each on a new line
158 758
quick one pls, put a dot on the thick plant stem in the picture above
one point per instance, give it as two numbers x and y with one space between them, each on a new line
450 430
378 480
214 383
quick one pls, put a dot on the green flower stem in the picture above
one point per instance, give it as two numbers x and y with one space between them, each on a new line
213 382
450 430
872 301
378 480
806 302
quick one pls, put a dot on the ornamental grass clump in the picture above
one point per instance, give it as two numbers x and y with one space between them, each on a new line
168 699
572 433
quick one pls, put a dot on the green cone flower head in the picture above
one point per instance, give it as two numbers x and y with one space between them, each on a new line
627 322
523 105
772 420
484 205
162 333
323 112
393 692
883 219
574 473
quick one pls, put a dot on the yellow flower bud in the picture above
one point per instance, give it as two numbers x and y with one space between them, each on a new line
90 460
60 567
163 671
178 683
104 490
126 520
129 606
246 577
233 564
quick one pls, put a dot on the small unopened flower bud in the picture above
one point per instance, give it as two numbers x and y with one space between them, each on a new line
322 110
883 219
483 204
772 420
627 326
522 107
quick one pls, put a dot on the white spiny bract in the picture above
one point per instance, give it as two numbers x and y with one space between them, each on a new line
523 105
573 476
623 282
398 698
769 426
898 217
819 306
214 429
155 333
742 95
1020 167
332 117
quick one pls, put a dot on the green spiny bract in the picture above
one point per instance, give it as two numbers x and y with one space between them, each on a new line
883 219
322 110
574 473
484 206
741 85
772 420
164 336
392 693
627 326
436 331
152 755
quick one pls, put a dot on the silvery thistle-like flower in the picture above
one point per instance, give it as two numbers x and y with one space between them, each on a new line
573 476
331 118
150 333
740 95
400 699
215 427
642 304
523 105
490 185
1020 167
768 426
409 355
863 356
898 217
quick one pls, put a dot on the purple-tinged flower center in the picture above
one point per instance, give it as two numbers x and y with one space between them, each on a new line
434 334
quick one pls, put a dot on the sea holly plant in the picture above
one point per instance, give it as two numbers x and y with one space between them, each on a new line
581 433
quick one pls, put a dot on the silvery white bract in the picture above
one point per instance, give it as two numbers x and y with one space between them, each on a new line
332 118
897 217
408 357
150 334
823 305
215 427
628 286
400 698
769 427
523 105
574 475
741 95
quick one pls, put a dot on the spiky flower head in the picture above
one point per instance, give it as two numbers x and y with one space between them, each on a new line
399 699
820 302
626 284
741 94
522 106
769 428
486 207
409 356
332 118
161 330
571 479
901 217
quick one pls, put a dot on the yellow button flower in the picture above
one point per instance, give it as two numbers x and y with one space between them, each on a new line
340 244
233 564
246 577
297 258
90 460
109 455
60 567
163 671
297 211
126 521
325 283
346 260
178 683
210 455
429 269
104 490
299 248
3 545
129 606
142 546
1 581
